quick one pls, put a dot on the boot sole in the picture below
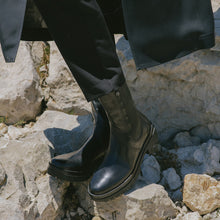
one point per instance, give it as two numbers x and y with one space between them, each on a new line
150 141
73 176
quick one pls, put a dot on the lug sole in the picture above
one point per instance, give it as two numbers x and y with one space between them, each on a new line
150 141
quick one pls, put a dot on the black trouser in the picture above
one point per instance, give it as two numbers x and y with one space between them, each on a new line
85 42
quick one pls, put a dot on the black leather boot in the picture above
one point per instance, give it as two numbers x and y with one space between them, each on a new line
131 136
80 165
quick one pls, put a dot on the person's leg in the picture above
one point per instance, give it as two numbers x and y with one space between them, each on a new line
99 74
81 34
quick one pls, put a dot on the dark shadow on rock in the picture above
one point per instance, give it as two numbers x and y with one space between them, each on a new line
65 141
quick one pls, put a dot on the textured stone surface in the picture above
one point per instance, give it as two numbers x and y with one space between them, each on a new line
150 169
64 93
189 216
2 175
201 193
66 132
184 139
25 153
202 159
149 202
20 94
172 179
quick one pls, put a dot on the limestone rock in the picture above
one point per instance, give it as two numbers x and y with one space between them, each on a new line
66 132
202 159
37 52
149 202
25 154
201 193
9 210
150 169
2 175
3 129
64 93
172 179
189 216
212 216
20 94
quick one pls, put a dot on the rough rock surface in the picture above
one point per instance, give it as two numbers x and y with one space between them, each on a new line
149 202
64 93
20 93
201 193
189 216
150 169
201 159
180 97
172 179
25 153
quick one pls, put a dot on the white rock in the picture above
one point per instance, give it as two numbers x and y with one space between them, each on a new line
148 202
10 210
2 175
25 159
3 129
66 132
20 94
189 216
65 94
172 179
150 169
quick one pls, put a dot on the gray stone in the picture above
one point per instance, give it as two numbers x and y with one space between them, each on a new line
20 96
66 132
202 132
3 129
172 179
183 139
177 195
148 202
150 169
202 159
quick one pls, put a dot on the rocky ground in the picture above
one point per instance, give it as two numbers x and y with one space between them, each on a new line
43 113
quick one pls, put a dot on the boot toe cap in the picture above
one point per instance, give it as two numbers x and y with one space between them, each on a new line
106 179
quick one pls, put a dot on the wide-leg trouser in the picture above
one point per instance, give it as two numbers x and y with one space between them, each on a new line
80 31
